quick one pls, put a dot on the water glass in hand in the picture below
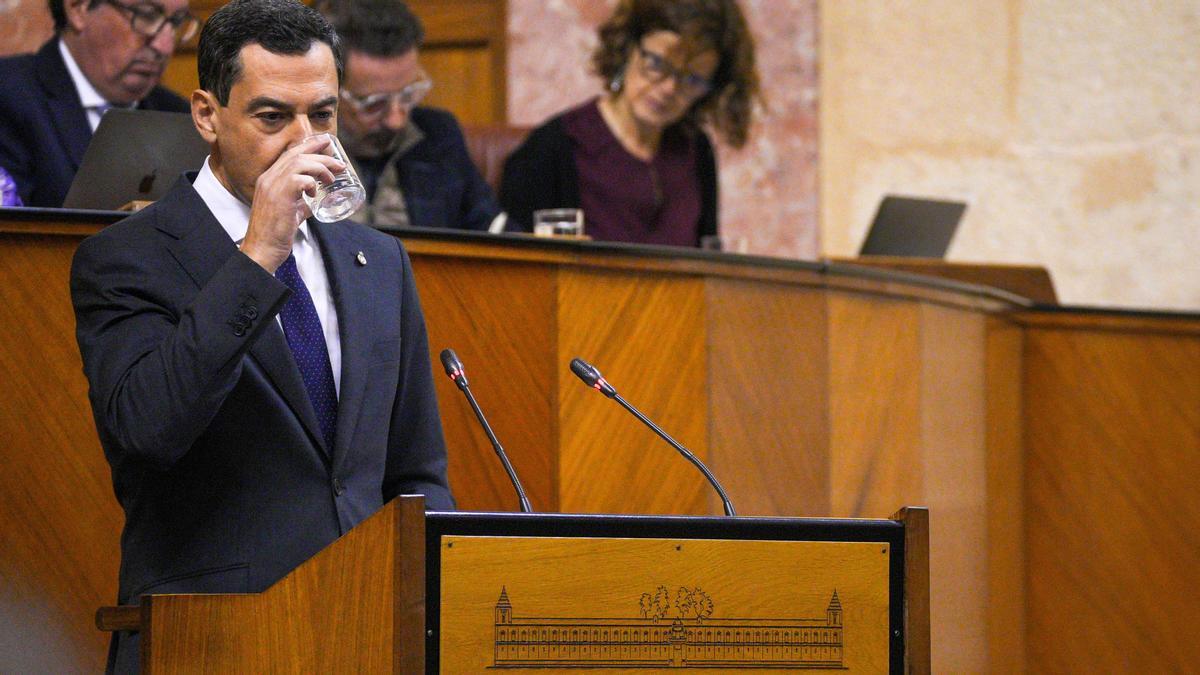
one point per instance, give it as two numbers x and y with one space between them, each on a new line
342 197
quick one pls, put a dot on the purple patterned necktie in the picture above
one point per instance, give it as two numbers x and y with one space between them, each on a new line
302 327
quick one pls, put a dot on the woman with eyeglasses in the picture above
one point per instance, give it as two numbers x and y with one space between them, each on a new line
637 159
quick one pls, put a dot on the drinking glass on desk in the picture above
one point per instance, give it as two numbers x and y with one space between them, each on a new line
717 242
344 195
558 222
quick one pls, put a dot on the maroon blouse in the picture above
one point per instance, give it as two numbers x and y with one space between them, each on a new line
627 199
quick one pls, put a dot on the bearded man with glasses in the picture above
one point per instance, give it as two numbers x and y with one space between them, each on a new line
412 159
105 54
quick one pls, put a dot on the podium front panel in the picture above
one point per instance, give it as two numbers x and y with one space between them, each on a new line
562 593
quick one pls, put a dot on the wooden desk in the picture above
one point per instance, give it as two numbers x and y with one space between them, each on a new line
811 389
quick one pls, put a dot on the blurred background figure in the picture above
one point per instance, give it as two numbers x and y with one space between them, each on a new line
105 54
637 159
412 159
8 190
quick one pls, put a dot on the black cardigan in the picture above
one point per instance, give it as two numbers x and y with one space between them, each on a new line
541 174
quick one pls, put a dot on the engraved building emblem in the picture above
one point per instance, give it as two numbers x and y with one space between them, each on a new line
672 631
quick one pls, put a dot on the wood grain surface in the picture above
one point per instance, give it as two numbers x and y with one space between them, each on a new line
780 366
641 333
1111 467
1056 448
1026 281
499 317
874 404
593 584
1005 503
918 641
58 545
350 608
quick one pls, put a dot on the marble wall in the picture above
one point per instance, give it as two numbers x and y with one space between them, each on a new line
1072 129
769 187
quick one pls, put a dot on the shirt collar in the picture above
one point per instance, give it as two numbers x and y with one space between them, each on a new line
232 213
88 96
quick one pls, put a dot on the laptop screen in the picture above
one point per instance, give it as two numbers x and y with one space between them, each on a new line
913 227
135 155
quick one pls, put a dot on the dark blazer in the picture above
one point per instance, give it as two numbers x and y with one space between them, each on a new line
216 454
541 174
44 129
441 185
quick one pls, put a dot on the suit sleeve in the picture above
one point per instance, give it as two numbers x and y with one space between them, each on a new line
158 374
15 157
416 460
478 206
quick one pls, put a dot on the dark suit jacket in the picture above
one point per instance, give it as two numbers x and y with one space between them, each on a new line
216 454
441 185
43 127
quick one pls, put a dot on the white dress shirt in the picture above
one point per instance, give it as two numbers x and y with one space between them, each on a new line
93 103
234 216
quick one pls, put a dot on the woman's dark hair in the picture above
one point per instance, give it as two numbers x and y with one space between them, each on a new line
715 24
278 26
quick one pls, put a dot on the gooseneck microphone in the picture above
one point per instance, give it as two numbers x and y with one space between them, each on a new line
592 378
454 368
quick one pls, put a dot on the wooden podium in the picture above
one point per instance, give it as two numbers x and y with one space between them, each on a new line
409 591
1013 419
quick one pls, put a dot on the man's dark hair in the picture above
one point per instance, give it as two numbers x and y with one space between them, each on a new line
374 27
278 26
58 10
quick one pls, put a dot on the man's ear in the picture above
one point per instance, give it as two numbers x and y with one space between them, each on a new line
77 14
204 115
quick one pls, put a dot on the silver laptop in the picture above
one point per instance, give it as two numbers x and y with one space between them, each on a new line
913 227
135 155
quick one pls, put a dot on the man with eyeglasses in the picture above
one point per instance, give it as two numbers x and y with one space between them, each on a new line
413 159
105 54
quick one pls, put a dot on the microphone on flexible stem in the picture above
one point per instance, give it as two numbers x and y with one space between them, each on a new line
592 378
454 368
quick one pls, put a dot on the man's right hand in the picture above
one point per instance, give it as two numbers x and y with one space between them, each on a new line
278 208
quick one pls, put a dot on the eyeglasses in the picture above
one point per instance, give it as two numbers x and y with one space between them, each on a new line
374 105
656 68
147 19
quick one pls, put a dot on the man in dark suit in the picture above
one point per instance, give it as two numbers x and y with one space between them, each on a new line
413 160
260 382
106 53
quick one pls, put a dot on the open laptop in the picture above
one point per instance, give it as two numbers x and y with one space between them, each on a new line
135 155
913 227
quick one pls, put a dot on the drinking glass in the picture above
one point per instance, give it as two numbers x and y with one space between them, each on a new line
558 222
717 242
344 195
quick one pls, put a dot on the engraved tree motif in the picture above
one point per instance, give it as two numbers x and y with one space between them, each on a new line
701 604
646 605
683 602
662 603
693 603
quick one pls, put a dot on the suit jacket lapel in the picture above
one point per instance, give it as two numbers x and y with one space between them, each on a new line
340 249
201 246
62 102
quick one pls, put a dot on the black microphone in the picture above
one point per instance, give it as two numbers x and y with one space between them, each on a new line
454 368
592 378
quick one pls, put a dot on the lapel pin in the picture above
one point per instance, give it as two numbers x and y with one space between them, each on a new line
362 259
